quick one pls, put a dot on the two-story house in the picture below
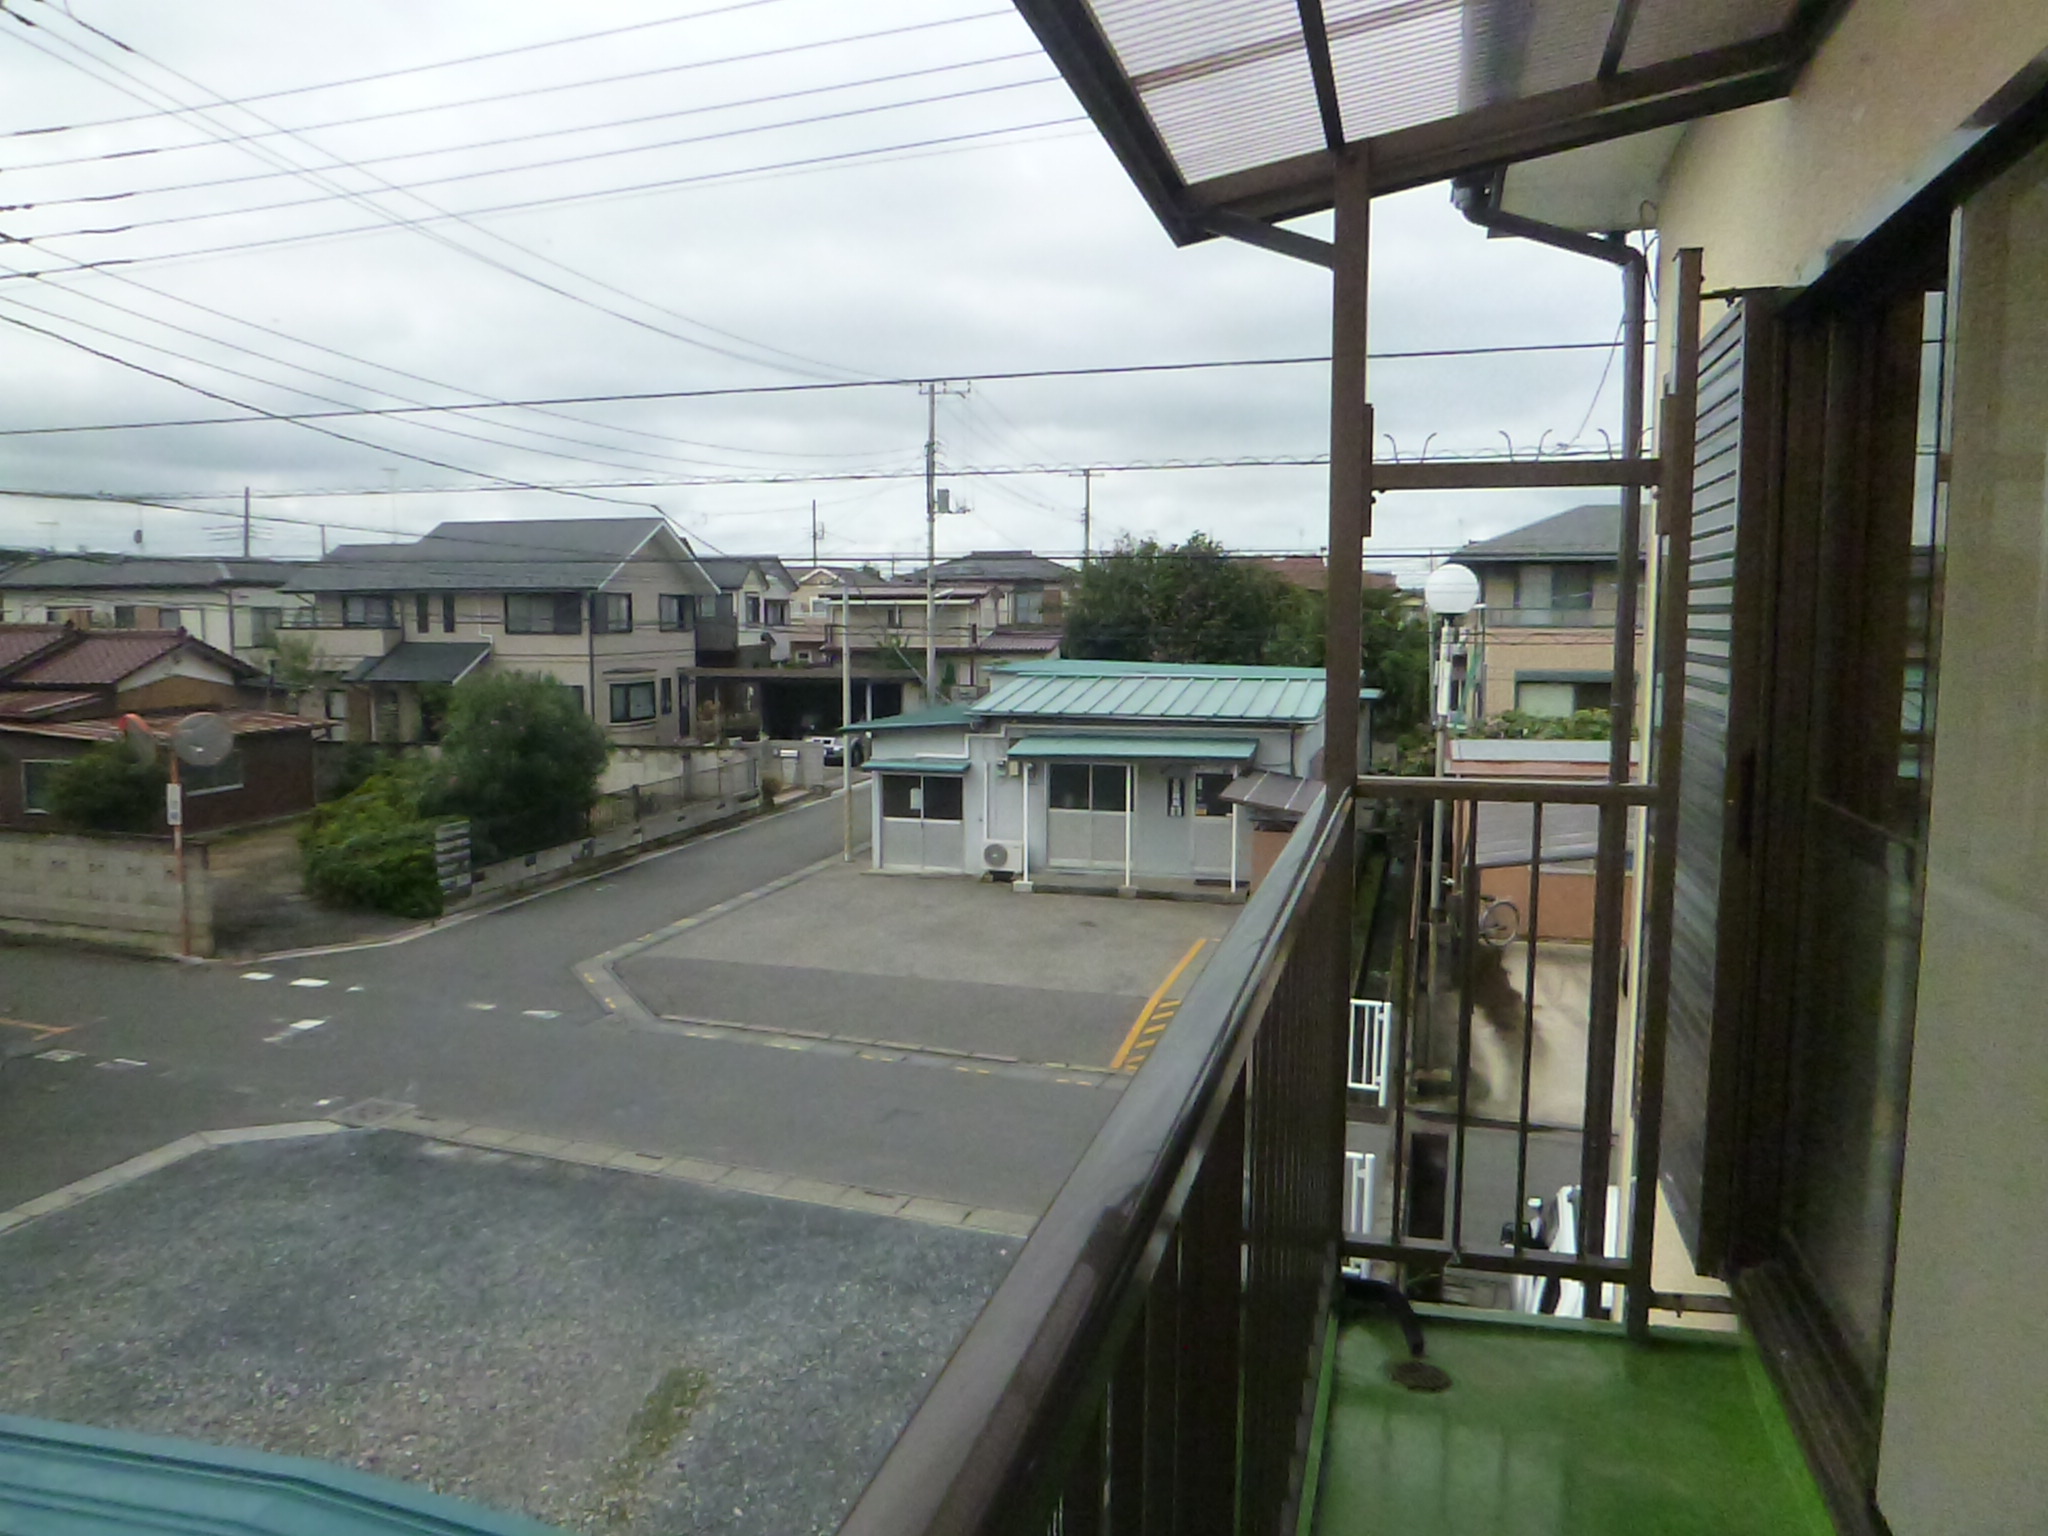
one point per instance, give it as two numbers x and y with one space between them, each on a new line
236 606
886 625
1542 640
749 622
1031 590
606 606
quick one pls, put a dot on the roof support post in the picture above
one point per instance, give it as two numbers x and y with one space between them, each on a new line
1350 470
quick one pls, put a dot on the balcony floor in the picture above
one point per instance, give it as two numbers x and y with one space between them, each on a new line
1558 1427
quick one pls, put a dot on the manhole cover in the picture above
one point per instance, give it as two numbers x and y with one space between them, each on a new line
1420 1376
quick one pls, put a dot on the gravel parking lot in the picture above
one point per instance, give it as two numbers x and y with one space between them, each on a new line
602 1351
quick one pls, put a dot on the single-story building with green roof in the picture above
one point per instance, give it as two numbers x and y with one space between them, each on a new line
1110 772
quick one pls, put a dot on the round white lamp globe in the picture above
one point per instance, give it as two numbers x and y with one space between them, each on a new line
1451 591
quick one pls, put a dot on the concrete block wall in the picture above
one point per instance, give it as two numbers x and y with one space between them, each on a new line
116 891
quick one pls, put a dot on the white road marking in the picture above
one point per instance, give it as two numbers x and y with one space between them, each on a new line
355 989
259 976
309 981
59 1055
122 1064
482 1007
541 1013
298 1027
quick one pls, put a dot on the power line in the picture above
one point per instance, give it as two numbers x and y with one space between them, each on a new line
877 155
605 125
501 482
417 69
996 376
321 179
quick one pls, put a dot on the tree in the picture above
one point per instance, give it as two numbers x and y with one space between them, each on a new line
522 761
108 789
1393 656
1191 602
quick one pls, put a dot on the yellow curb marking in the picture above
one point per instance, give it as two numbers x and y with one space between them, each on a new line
1156 1007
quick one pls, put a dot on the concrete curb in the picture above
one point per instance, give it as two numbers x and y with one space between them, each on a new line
388 1115
159 1157
600 976
677 844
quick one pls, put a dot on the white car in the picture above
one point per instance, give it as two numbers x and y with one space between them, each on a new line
1553 1225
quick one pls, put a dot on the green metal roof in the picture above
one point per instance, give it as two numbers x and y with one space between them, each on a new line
68 1480
1174 749
945 765
937 715
1134 691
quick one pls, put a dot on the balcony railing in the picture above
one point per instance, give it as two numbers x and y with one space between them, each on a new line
1150 1355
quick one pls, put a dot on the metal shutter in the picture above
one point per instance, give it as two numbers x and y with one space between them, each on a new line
1732 476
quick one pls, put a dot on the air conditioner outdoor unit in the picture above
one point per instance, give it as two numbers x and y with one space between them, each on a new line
1008 856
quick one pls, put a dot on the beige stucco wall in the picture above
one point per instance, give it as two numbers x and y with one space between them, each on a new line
1767 190
1965 1445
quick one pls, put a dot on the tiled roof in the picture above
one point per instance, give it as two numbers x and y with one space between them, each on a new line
20 642
243 722
102 658
35 703
146 571
1000 565
567 554
422 661
1583 533
1133 690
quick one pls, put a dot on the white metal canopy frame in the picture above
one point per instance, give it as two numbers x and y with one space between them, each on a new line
1231 114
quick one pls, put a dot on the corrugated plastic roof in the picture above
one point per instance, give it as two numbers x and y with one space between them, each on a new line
1131 690
1241 107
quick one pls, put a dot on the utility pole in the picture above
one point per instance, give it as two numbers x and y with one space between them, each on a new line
932 508
846 715
1087 509
245 522
814 530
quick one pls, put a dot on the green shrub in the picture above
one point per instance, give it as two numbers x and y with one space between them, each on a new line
374 847
522 762
107 789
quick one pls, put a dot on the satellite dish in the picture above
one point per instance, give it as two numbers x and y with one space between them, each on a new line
203 740
140 740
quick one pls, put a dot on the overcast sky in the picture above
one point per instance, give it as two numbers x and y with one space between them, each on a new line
984 232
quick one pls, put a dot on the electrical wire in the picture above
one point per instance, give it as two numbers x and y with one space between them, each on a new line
605 125
900 382
808 366
417 69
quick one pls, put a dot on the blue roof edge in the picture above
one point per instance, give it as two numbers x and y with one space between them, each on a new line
65 1473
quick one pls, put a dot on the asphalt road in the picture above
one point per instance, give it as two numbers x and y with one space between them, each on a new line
486 1020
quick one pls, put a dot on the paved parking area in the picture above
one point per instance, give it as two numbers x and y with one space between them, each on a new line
603 1351
936 964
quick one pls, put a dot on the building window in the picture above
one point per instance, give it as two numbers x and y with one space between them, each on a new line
632 703
611 613
447 613
543 613
367 611
1209 789
893 618
166 618
36 777
1176 796
1571 588
1088 787
775 611
668 696
1558 698
1027 606
336 705
577 690
922 797
124 616
677 610
753 607
264 624
225 774
422 612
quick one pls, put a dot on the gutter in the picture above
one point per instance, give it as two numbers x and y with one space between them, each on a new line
1478 198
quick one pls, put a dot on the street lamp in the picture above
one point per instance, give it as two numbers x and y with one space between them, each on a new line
1449 593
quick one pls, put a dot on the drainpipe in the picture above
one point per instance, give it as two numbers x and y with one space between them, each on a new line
1478 199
